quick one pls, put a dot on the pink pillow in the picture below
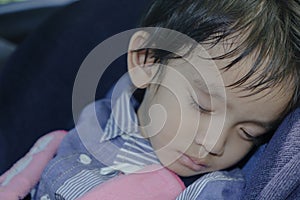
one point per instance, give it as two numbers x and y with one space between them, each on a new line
152 183
17 182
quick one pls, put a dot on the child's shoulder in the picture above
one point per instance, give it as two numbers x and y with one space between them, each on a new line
99 110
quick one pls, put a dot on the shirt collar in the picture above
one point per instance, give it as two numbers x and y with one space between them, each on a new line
123 119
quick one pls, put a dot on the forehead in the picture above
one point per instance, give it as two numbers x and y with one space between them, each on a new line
214 61
210 77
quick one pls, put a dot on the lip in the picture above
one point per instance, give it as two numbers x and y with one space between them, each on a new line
192 163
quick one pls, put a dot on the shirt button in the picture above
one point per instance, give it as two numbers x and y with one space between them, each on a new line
45 197
84 159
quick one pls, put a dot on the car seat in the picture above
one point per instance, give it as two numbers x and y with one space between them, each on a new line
37 81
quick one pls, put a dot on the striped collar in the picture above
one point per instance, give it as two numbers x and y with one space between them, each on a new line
136 151
123 119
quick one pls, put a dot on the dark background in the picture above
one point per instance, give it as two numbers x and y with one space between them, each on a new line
36 80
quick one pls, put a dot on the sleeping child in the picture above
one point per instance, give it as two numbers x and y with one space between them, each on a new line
207 83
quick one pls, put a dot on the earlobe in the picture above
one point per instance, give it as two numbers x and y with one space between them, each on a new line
141 66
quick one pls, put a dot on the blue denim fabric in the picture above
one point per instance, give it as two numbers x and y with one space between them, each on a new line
67 163
88 148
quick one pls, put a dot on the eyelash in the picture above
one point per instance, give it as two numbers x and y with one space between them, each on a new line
248 136
204 110
199 107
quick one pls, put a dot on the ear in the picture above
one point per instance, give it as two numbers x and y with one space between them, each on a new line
141 67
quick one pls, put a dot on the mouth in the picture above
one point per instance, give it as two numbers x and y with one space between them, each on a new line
192 163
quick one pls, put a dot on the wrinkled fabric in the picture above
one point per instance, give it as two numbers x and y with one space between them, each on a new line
105 143
276 174
221 185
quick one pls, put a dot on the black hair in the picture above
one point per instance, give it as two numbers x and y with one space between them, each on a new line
271 29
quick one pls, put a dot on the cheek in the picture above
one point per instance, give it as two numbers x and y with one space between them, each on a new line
172 120
180 124
234 152
179 130
167 134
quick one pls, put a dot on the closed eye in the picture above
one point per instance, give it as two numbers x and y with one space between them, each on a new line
199 107
247 136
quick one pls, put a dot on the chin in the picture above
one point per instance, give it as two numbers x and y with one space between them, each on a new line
182 170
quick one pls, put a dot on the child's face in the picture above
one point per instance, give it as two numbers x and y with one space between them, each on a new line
180 134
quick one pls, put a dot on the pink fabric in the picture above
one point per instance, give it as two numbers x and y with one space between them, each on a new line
152 183
17 182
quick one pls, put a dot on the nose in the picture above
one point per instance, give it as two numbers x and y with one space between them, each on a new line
211 145
212 140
